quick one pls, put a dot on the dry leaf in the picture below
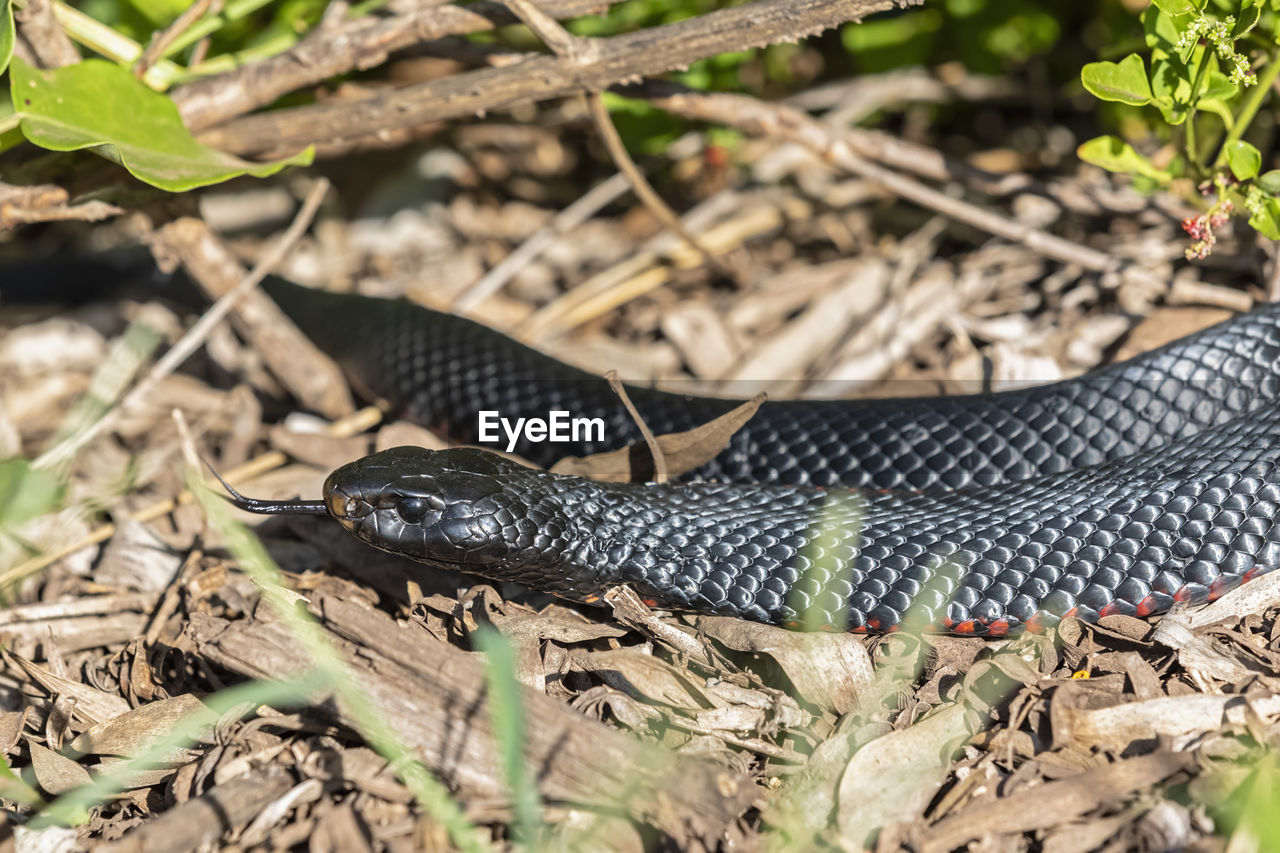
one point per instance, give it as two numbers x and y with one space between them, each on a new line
92 705
684 451
894 777
828 669
56 773
641 675
133 732
1054 802
11 725
1196 653
136 558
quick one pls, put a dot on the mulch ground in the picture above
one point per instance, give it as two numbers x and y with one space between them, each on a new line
642 729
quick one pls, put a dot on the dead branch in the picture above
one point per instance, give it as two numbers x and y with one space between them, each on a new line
358 44
161 39
308 373
541 77
41 40
198 823
435 697
47 203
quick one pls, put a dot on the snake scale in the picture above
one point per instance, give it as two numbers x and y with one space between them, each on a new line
1145 483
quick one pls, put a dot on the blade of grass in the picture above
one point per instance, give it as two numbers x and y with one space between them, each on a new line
431 795
127 356
508 717
14 789
73 807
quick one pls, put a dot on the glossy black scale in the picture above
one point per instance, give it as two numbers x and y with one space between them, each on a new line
1122 491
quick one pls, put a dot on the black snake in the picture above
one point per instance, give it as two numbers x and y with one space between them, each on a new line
1144 483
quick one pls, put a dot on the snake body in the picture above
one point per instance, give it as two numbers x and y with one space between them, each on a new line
1148 482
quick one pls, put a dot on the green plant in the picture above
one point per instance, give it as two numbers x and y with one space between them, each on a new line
1208 67
100 105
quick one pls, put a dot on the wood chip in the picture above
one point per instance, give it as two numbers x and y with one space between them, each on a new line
1054 802
703 338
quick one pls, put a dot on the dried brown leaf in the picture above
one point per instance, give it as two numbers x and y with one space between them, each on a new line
137 780
92 705
56 773
323 451
894 777
1054 803
134 731
829 670
631 611
1197 653
641 675
705 341
1179 717
136 558
628 711
11 726
684 451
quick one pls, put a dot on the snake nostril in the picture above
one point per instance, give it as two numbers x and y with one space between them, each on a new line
345 507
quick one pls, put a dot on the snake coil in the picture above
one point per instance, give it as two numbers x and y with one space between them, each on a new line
1148 482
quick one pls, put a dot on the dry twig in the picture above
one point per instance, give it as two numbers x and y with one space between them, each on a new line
566 220
41 40
195 335
163 38
358 44
541 77
757 117
643 190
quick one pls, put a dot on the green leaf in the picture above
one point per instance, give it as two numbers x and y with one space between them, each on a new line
13 788
1244 159
1116 155
1269 182
508 722
1266 219
26 492
1188 50
1160 32
1173 7
10 135
1171 89
6 33
1124 81
1220 109
95 104
1174 114
1218 86
1250 12
160 13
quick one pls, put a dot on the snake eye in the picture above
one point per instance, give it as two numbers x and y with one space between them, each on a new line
411 510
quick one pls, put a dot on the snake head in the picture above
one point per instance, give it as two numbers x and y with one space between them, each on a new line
463 507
